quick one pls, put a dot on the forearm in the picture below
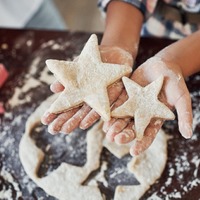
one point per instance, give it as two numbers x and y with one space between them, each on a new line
123 26
185 53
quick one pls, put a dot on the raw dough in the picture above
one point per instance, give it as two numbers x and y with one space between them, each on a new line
86 80
64 183
143 105
147 168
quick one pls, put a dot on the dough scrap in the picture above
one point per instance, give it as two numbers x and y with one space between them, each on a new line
64 182
143 105
147 168
117 150
86 80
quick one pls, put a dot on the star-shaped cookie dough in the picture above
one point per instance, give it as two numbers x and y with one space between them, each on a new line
143 105
86 80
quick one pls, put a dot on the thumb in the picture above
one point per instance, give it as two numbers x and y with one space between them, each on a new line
56 87
184 110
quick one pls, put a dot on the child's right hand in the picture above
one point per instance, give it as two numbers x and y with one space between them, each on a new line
84 116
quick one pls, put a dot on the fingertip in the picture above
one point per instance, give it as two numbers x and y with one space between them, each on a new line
135 151
43 120
47 118
185 118
186 130
109 137
84 125
111 133
105 127
119 139
56 87
51 130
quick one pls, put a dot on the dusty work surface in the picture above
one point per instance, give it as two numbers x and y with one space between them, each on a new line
24 53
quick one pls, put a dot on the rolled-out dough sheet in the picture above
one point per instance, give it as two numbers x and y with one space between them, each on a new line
65 183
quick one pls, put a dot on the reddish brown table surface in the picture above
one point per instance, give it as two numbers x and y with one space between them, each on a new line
18 49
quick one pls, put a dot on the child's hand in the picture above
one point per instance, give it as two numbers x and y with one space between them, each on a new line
174 93
84 116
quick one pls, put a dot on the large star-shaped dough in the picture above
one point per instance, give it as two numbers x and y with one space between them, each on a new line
86 80
143 105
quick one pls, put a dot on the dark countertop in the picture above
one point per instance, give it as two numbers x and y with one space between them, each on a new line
22 50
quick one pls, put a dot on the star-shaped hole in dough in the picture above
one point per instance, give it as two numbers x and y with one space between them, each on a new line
143 105
86 80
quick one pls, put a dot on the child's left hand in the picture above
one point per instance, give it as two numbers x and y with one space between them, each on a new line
174 93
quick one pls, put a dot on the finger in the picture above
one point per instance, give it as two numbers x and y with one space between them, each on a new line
121 99
113 92
184 111
48 117
90 119
57 123
150 133
74 121
126 135
116 128
107 125
56 87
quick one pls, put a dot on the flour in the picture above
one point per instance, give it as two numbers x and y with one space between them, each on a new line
196 111
180 168
30 80
196 162
29 42
196 117
154 197
33 67
56 45
6 192
186 155
68 176
48 44
17 120
46 77
29 84
9 142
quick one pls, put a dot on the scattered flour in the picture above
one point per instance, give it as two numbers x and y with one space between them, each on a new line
100 176
117 172
46 77
29 84
6 192
33 67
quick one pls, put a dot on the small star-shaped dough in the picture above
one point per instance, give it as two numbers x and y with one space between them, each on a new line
143 105
86 80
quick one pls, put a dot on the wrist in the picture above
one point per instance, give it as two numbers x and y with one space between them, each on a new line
123 26
185 53
116 54
172 62
160 66
131 49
